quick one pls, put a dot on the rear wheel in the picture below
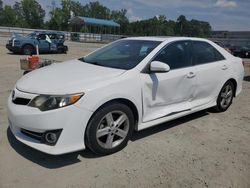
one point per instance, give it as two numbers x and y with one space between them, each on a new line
110 128
225 97
60 50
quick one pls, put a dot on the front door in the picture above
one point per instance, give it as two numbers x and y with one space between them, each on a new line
43 44
165 94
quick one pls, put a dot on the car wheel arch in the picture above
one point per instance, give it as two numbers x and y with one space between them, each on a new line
223 106
28 44
124 101
234 82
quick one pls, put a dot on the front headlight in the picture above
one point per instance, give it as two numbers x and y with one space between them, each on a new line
47 102
17 42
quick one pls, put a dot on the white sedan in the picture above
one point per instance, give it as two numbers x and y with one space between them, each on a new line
98 101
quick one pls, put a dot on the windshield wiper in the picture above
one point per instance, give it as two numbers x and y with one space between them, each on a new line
82 59
91 62
96 63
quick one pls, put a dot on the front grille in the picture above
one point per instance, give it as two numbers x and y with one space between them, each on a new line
34 135
21 101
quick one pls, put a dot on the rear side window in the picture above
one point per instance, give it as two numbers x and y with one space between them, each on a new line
60 36
203 53
52 36
176 55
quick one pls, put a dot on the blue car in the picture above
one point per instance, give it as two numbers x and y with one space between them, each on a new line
47 42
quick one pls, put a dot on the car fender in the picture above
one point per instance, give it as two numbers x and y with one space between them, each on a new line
27 43
128 88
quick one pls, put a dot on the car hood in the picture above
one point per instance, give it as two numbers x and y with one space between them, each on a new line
66 78
17 36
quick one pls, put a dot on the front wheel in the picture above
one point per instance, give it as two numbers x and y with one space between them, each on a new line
28 50
110 128
225 97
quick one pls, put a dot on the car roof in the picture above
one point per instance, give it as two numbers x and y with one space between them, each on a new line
49 32
162 39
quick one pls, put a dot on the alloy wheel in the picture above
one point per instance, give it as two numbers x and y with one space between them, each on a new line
27 50
226 96
112 129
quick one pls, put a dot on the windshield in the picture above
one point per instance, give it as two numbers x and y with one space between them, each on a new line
123 54
31 35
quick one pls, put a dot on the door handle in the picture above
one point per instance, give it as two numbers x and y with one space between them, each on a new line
190 75
224 67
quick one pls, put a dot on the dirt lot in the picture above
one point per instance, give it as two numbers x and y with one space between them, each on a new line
201 150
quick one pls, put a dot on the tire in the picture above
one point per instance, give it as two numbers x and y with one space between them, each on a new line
60 51
109 129
225 97
28 50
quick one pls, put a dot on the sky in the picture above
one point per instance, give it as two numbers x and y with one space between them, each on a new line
232 15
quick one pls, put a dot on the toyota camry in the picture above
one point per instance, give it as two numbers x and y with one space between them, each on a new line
99 100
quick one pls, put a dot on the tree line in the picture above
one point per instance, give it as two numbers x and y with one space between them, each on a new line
30 14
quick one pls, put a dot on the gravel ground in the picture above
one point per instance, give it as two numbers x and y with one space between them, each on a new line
201 150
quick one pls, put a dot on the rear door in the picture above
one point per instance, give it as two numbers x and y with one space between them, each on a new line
211 70
169 93
53 41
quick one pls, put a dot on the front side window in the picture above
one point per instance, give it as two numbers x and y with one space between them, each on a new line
205 53
42 36
123 54
176 55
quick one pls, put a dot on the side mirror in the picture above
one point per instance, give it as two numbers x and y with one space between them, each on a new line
157 66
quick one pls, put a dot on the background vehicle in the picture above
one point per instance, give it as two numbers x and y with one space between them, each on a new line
223 46
48 42
243 52
98 101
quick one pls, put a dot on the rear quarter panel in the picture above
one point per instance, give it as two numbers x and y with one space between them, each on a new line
237 72
236 68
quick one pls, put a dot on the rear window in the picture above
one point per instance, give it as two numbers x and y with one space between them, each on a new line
204 52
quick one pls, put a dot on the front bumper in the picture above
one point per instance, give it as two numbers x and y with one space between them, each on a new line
15 49
71 120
